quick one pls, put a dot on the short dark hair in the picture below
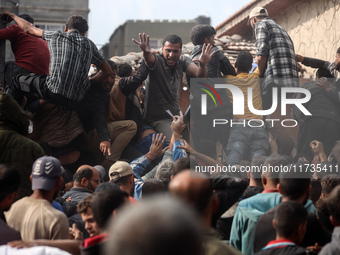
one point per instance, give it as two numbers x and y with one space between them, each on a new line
184 163
244 61
9 181
112 64
272 161
27 17
333 204
84 204
258 162
124 70
323 72
323 214
152 187
200 32
173 39
338 50
329 182
77 22
288 217
107 185
294 187
104 203
83 173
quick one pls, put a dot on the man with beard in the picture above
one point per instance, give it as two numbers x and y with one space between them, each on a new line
85 181
164 83
34 216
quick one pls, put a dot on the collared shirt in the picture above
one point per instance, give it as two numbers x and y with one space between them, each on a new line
273 42
279 244
163 88
71 57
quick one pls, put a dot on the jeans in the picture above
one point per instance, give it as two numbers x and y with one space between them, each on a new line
246 143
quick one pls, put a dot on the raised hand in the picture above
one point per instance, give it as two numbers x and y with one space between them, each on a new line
144 42
156 148
177 124
206 55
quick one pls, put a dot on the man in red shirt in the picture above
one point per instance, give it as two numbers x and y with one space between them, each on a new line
31 53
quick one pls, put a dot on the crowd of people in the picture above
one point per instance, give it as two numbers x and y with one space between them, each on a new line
102 164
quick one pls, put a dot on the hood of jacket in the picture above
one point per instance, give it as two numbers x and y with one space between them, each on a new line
257 205
12 116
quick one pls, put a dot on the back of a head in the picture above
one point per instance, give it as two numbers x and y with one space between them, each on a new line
77 22
244 62
323 214
274 161
184 164
104 203
294 185
163 226
288 217
257 163
84 204
173 39
193 188
333 204
112 64
85 172
200 32
124 70
106 186
329 182
152 187
164 171
285 144
27 17
9 181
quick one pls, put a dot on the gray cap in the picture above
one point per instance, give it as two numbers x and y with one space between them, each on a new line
45 172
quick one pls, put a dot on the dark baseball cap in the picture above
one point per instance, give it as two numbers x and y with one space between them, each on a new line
45 172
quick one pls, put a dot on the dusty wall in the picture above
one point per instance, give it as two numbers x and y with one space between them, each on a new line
314 28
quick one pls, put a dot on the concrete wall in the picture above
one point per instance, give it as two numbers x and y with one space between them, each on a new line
314 28
120 42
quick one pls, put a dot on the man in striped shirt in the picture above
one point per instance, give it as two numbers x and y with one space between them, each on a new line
71 57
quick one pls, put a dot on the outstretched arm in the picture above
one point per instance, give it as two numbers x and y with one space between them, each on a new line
201 70
103 74
144 45
28 27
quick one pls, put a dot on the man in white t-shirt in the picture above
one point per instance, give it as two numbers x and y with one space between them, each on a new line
34 216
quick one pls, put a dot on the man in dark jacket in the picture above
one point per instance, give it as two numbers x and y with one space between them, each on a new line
324 123
17 150
111 137
219 64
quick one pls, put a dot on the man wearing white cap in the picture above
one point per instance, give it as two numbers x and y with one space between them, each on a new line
33 216
275 53
129 176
